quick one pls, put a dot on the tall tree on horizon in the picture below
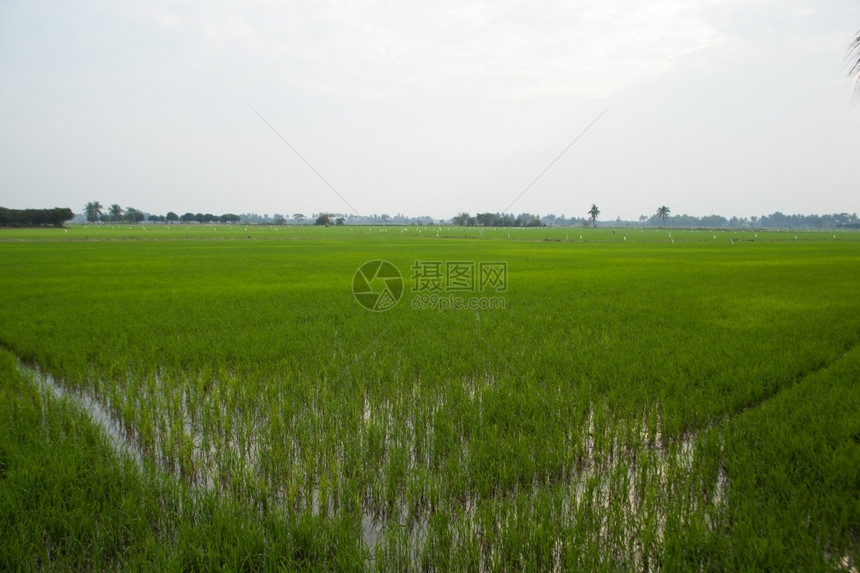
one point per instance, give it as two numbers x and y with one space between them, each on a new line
662 211
593 213
93 211
115 213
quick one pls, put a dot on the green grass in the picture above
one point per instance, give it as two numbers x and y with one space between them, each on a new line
637 403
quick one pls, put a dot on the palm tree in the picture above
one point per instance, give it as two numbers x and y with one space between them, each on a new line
853 57
93 211
662 212
115 212
593 213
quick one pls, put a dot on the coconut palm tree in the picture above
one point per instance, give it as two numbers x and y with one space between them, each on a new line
593 213
115 213
662 212
853 57
93 211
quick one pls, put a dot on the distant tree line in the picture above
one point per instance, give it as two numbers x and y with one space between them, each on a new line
497 220
172 217
93 212
663 218
553 220
326 217
35 217
115 214
775 220
96 212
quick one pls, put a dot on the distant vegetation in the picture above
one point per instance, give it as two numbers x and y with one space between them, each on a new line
662 218
592 214
35 217
497 220
95 212
775 220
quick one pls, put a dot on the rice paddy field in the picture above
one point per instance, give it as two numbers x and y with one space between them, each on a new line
221 398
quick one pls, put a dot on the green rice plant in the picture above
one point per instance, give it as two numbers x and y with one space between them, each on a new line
626 409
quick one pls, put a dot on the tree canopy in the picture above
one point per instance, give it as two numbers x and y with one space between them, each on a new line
593 213
93 211
497 220
663 212
35 217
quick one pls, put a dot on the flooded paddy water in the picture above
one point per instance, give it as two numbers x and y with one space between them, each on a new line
613 494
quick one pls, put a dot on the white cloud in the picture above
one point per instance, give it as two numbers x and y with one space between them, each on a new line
510 49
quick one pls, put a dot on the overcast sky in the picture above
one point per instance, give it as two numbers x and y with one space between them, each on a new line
713 107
